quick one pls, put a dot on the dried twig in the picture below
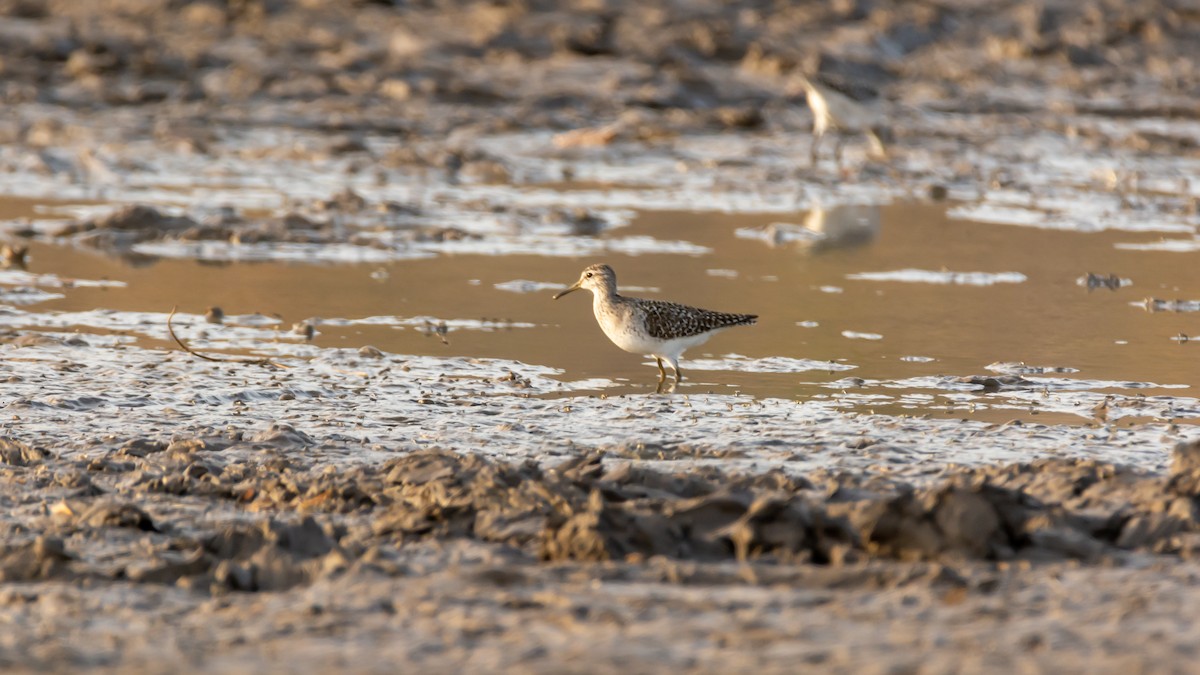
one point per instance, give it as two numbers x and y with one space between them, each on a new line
220 359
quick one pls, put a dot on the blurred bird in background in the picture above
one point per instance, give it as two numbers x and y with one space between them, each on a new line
845 112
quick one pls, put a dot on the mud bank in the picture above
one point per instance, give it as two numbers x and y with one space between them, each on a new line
463 121
181 552
355 509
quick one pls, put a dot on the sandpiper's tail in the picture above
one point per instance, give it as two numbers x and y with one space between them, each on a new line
714 320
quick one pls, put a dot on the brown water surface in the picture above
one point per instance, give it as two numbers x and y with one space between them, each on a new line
1046 320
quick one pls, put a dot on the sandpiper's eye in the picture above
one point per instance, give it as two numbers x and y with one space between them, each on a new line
589 275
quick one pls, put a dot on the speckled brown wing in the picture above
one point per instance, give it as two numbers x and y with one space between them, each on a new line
668 320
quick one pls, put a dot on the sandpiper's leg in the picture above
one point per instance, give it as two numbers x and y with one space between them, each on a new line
662 373
837 149
674 361
816 144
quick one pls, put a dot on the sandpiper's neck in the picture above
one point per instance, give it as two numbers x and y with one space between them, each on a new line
605 297
606 288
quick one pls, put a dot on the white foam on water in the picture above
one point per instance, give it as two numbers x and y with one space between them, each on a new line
25 295
918 276
524 286
1163 245
11 277
768 364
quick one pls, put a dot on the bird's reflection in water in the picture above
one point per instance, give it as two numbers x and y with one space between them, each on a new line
822 229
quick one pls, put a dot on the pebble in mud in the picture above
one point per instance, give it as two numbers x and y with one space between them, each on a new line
996 383
14 255
370 352
1112 282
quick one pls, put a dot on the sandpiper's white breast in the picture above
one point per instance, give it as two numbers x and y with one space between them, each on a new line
623 328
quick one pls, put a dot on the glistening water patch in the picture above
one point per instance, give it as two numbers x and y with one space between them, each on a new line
921 298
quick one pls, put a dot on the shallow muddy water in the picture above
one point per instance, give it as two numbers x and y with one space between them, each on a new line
881 308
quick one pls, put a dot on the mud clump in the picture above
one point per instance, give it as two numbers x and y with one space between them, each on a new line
320 223
101 514
305 525
16 453
978 522
125 227
273 557
42 558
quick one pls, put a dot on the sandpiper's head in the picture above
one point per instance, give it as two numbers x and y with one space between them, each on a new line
596 278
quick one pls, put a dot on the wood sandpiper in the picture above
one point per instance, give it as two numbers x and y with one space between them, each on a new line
837 110
651 327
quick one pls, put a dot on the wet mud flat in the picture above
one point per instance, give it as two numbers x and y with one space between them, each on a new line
357 509
360 508
180 552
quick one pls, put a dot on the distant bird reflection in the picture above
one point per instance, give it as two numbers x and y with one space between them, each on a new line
822 229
